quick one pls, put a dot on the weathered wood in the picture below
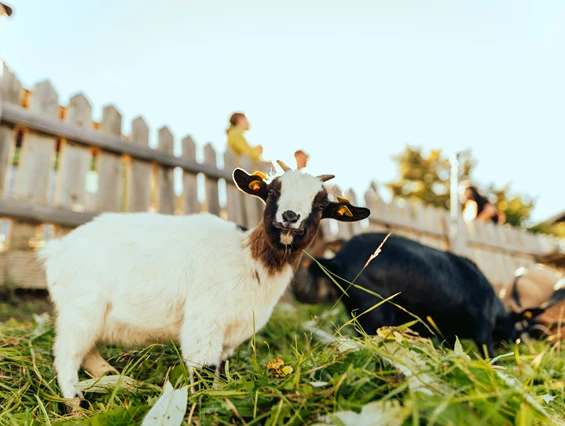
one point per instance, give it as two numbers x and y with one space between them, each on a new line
75 158
355 227
234 196
378 210
17 115
212 193
190 180
165 175
139 172
10 87
265 167
40 213
251 203
344 230
10 91
38 150
109 165
21 268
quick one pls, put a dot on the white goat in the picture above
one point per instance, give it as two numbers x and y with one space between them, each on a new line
140 278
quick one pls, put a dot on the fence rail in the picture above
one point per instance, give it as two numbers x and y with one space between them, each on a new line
46 192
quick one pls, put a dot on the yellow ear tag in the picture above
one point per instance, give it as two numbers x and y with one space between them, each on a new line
343 200
260 174
344 210
528 315
255 186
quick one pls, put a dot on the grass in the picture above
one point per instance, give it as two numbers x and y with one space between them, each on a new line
413 381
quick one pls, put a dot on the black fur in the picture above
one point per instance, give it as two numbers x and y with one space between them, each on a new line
449 288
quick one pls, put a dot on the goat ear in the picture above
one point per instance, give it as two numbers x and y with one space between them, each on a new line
345 212
251 184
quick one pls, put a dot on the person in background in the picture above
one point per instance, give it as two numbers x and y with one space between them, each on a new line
301 160
237 142
477 207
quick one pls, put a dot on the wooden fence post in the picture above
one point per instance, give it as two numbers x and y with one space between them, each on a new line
10 91
38 149
212 200
456 241
233 195
165 175
75 158
139 172
190 181
109 167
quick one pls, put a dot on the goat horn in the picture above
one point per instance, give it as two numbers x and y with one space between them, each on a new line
325 178
283 166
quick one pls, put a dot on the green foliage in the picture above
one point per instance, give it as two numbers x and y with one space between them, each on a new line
427 177
517 208
556 229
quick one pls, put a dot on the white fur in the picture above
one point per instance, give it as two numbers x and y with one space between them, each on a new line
297 194
140 278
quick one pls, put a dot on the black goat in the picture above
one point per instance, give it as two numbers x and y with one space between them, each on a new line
449 289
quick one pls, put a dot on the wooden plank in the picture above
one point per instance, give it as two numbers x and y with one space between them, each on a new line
250 203
420 217
37 151
111 143
355 227
233 195
264 167
10 87
190 180
109 165
22 268
344 230
165 175
40 213
402 226
212 193
10 92
378 217
139 175
499 275
75 158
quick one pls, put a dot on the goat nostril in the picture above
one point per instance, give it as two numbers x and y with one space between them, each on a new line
290 217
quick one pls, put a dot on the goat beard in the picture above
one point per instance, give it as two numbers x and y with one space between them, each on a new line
286 238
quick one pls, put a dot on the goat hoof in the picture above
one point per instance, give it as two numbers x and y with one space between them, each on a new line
75 403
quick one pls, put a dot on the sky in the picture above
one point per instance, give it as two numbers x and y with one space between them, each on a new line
350 82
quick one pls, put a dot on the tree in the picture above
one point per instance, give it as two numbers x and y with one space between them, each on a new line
427 177
557 229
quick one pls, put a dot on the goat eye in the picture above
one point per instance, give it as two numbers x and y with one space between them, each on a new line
271 192
321 206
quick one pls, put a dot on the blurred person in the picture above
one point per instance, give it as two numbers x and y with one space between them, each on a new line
477 207
236 140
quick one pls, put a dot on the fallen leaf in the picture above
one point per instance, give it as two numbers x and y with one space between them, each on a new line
378 413
107 384
170 408
318 384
